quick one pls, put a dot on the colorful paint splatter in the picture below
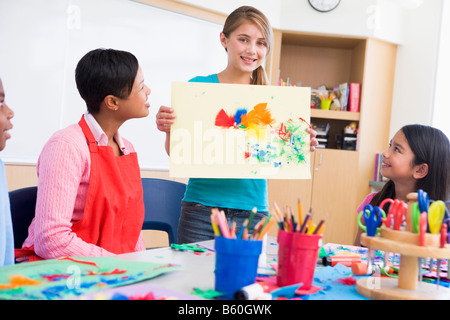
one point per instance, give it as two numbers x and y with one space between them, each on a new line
276 144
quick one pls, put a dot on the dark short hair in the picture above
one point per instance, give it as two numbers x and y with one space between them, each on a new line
103 72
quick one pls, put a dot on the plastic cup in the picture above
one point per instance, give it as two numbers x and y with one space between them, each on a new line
297 257
236 264
325 104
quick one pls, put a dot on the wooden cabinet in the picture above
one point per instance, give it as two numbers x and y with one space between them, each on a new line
329 193
332 195
340 178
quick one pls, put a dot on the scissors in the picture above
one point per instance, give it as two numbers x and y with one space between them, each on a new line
436 214
422 200
372 218
422 232
443 242
396 213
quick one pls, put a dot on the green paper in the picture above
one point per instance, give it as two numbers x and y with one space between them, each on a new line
66 279
207 294
322 252
184 247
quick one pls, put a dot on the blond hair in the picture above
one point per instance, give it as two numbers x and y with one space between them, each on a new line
250 14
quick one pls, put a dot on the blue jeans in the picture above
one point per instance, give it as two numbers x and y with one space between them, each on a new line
195 221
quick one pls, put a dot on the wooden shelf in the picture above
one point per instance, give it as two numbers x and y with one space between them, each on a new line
377 184
314 60
337 115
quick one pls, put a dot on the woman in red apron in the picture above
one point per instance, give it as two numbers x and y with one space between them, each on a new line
112 84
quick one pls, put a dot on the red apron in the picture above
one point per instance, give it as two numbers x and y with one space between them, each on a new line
114 210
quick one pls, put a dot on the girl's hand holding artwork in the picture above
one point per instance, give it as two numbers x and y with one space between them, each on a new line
164 119
313 140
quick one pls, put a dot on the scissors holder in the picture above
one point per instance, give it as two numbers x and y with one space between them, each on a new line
407 286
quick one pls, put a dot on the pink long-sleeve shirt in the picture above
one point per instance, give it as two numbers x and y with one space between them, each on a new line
63 170
366 201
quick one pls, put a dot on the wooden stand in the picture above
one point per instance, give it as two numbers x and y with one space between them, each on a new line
406 287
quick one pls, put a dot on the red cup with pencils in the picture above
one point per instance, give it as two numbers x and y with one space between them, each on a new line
297 257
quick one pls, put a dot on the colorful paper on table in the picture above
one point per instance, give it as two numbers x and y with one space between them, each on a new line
333 249
70 277
240 131
332 288
140 291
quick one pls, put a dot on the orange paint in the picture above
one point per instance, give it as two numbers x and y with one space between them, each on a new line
18 281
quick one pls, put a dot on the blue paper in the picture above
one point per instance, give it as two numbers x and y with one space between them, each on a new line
327 278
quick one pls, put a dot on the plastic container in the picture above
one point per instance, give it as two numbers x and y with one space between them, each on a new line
325 104
297 257
236 264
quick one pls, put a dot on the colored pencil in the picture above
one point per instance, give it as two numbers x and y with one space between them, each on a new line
319 226
258 226
302 228
266 229
294 223
252 216
300 211
233 230
244 227
278 214
309 224
214 224
223 225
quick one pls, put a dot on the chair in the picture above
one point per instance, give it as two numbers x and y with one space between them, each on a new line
23 205
162 200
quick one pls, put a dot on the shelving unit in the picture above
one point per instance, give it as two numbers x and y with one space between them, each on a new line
316 60
339 177
336 115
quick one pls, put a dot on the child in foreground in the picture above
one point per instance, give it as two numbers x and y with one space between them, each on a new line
6 231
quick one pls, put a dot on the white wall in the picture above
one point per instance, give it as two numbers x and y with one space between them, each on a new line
415 74
43 40
441 111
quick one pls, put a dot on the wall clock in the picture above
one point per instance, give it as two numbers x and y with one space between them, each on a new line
324 5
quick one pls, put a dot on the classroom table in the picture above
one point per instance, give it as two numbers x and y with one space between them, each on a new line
198 271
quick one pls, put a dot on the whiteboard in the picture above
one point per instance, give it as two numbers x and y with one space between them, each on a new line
41 42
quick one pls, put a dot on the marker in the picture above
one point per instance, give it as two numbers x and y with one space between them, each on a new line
347 261
255 291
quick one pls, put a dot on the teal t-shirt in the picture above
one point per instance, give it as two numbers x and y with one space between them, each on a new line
242 194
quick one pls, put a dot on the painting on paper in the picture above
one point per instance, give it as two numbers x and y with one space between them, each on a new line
240 131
